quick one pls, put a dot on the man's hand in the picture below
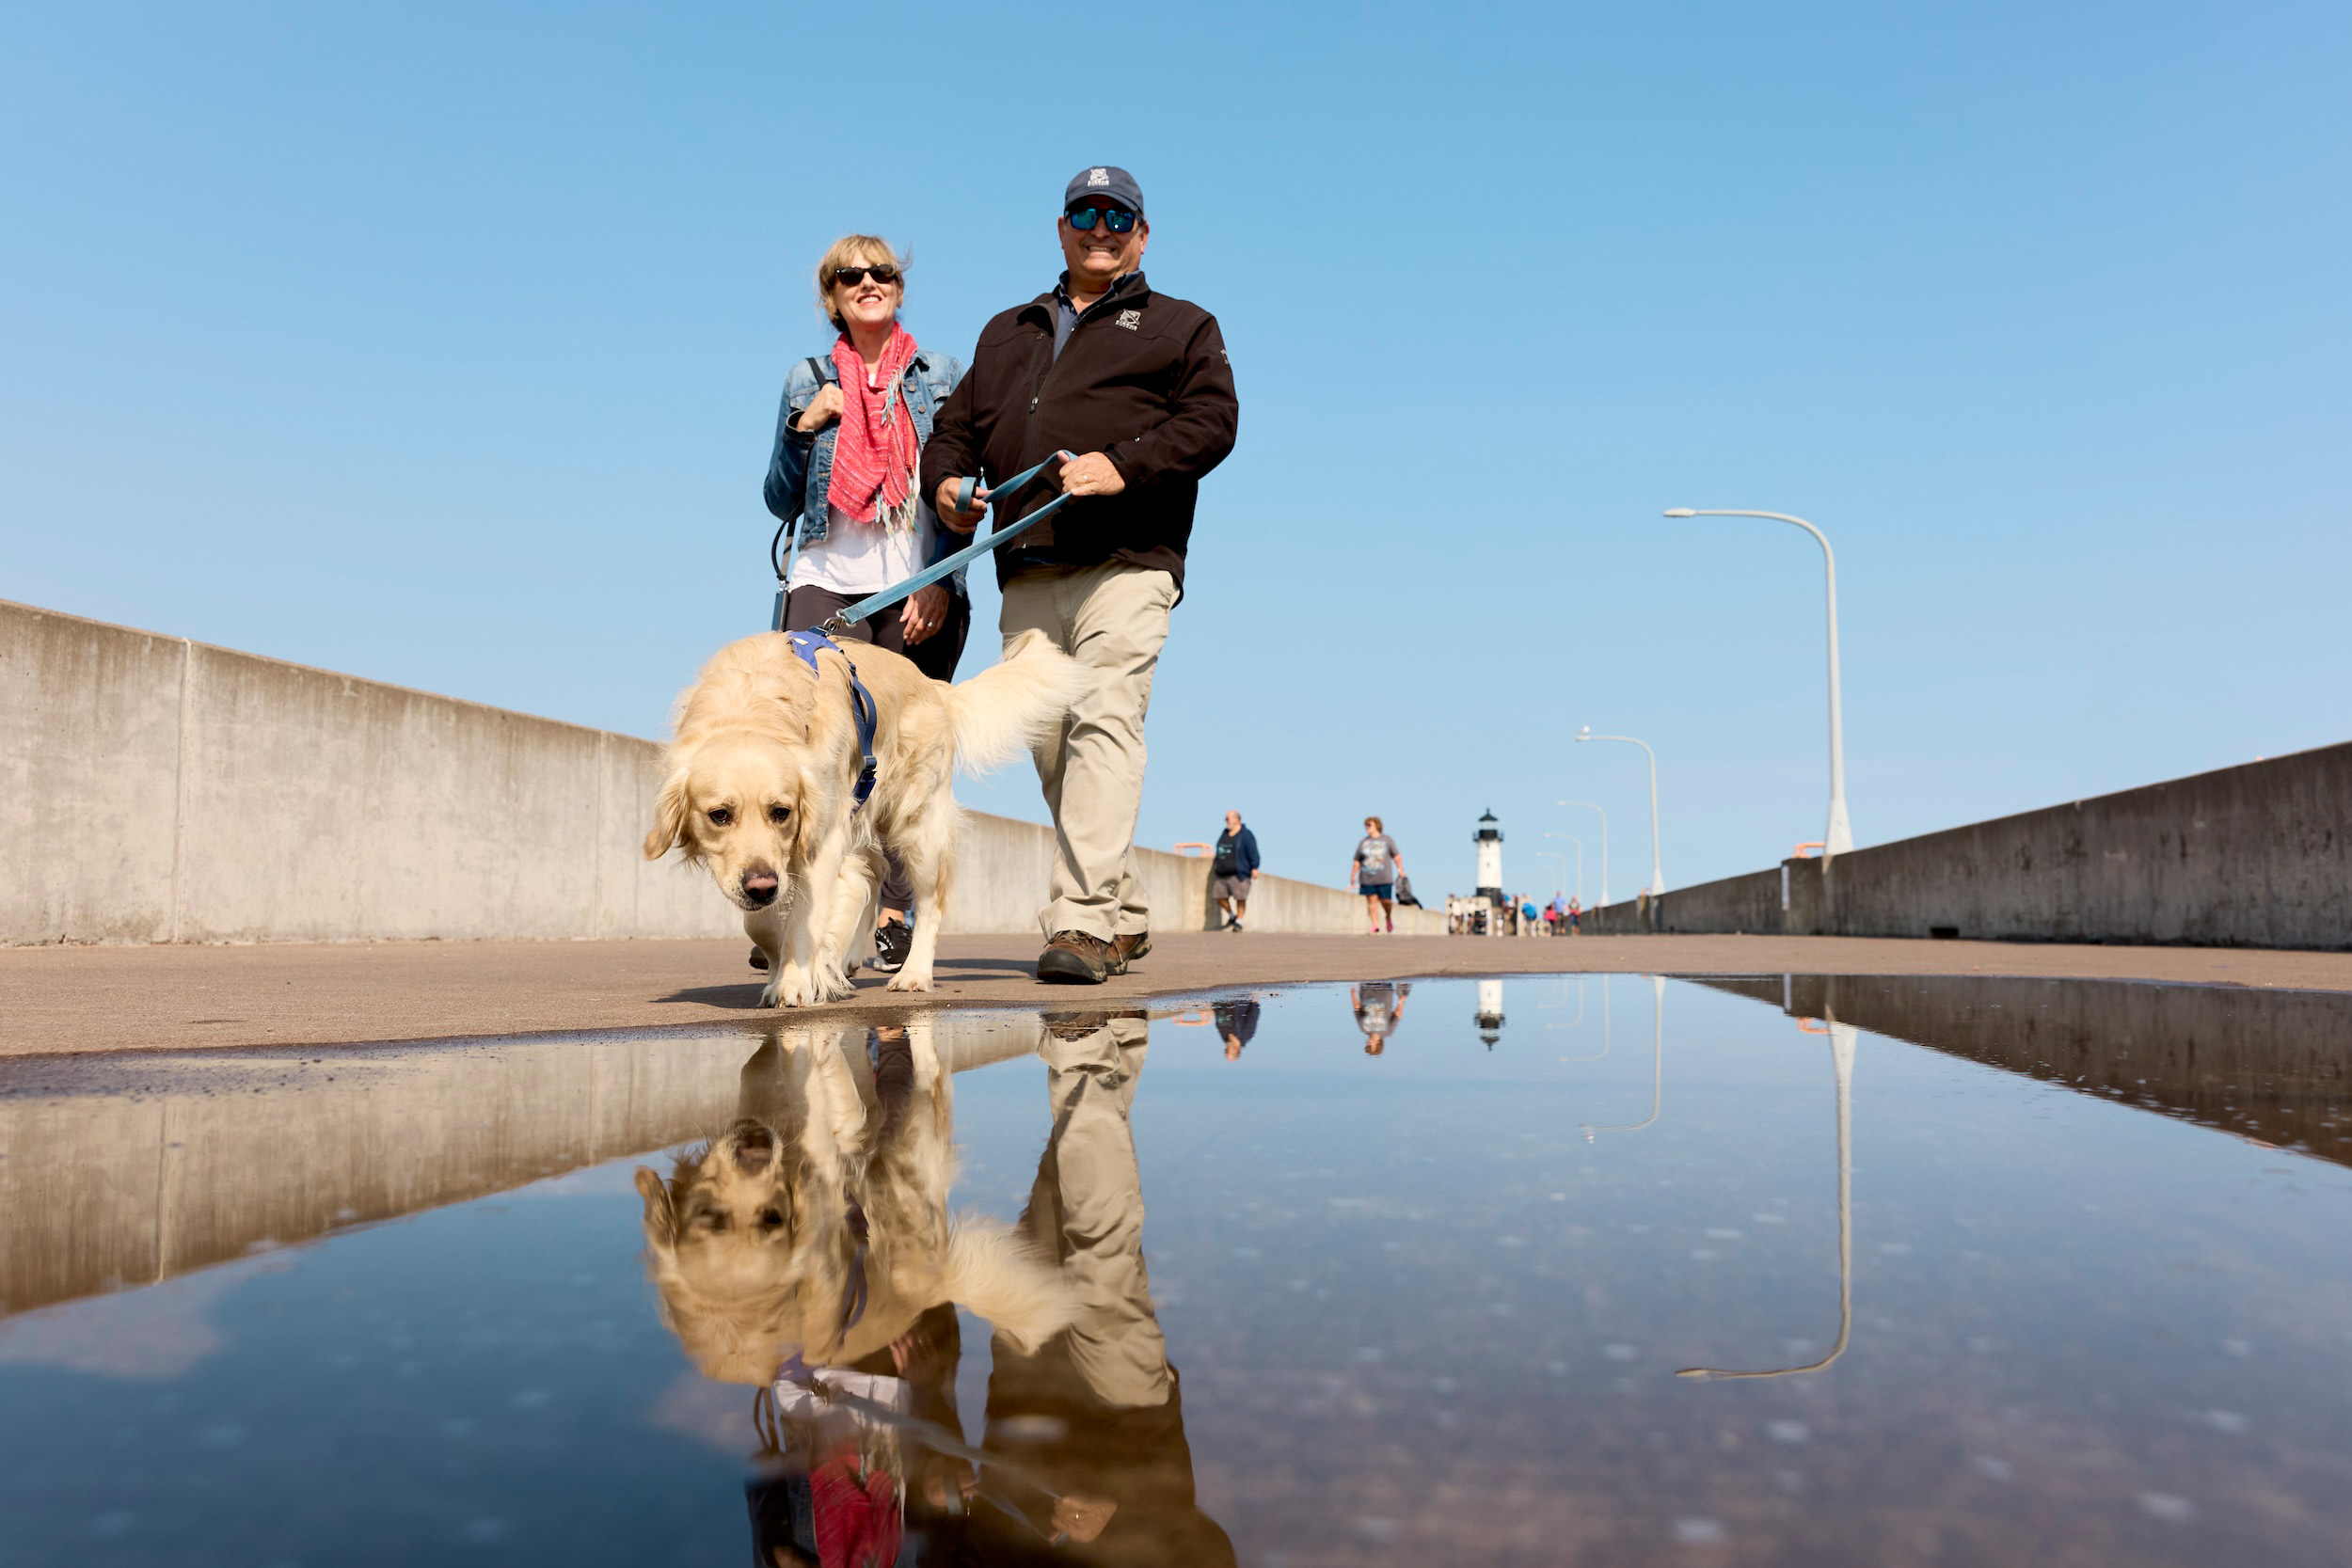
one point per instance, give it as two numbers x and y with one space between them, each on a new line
1094 474
944 504
925 613
822 409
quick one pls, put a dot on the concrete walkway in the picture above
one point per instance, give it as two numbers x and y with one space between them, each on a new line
74 999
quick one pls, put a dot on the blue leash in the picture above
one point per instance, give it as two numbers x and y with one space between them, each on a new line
809 643
841 620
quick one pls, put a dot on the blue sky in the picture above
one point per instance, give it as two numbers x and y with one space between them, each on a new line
441 344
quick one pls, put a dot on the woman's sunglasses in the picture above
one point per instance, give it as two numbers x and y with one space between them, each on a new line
852 277
1117 219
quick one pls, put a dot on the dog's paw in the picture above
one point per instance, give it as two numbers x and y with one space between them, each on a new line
789 988
910 978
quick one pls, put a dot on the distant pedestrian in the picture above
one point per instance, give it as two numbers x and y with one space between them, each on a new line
1236 1023
1576 917
1233 870
1527 914
1379 1009
1378 864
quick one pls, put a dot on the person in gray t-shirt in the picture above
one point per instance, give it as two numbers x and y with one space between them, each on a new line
1378 864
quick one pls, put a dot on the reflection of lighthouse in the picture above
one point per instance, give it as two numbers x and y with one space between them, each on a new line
1489 840
1489 1000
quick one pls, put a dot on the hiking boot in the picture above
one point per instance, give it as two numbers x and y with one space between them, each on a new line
892 940
1075 958
1126 950
759 960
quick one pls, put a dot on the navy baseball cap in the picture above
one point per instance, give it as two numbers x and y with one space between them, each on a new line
1105 185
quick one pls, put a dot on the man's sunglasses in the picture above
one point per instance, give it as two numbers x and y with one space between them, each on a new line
852 277
1117 219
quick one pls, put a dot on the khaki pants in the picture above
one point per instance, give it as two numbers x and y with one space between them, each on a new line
1086 1212
1111 618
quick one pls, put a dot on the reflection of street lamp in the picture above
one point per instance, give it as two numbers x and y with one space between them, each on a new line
1579 864
1840 837
1604 842
1658 1055
1604 1020
1656 877
1841 1043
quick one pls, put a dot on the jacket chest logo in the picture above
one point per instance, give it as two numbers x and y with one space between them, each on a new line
1130 320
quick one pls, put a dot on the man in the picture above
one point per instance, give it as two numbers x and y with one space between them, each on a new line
1378 864
1233 871
1137 384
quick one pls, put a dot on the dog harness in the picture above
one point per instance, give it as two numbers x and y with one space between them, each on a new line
807 644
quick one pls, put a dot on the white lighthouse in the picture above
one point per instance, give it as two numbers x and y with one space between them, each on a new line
1489 841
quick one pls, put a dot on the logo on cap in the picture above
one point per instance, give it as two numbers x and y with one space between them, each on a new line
1098 177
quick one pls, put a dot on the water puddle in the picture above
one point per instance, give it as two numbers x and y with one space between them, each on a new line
1752 1269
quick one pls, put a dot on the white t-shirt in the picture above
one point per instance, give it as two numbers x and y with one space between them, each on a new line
860 558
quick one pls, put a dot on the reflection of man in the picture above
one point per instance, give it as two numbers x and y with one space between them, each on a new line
1097 1416
1379 1009
1236 1023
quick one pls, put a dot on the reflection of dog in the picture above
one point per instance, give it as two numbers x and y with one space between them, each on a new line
760 780
816 1224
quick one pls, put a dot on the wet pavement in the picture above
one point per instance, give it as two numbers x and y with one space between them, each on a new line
1750 1268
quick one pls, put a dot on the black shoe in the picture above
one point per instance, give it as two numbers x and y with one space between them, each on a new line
1234 924
1073 957
759 960
1126 950
892 940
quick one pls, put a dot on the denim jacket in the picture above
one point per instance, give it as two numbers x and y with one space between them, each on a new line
800 474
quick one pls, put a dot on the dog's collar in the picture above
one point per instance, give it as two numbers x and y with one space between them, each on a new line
806 644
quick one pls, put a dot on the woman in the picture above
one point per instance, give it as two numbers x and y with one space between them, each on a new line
843 479
1378 864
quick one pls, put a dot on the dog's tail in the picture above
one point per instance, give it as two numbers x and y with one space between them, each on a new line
1009 707
998 1277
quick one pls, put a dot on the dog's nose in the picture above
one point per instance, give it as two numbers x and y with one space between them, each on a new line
753 1148
759 886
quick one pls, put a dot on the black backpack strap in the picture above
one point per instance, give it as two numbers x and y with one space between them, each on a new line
817 369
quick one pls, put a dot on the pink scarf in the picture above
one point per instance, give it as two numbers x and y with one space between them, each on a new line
875 453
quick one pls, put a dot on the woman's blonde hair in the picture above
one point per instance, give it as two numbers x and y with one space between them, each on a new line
854 250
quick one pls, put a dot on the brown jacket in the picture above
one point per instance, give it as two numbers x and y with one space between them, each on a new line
1143 377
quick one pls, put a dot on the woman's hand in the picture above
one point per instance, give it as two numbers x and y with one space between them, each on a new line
822 409
954 516
925 613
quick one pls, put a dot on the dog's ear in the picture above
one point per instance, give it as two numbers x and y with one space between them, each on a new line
661 1219
669 817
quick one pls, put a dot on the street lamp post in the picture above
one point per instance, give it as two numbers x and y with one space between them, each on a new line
1604 843
1580 861
1554 855
1840 837
1657 875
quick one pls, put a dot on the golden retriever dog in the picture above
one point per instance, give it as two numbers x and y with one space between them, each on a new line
816 1224
760 780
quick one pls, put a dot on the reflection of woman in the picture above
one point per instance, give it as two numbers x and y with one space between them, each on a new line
1379 1009
843 478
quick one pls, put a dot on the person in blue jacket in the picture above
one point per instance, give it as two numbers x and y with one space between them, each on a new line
1233 869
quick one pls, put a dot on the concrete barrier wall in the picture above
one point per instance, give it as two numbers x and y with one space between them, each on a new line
2254 856
2266 1065
156 789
